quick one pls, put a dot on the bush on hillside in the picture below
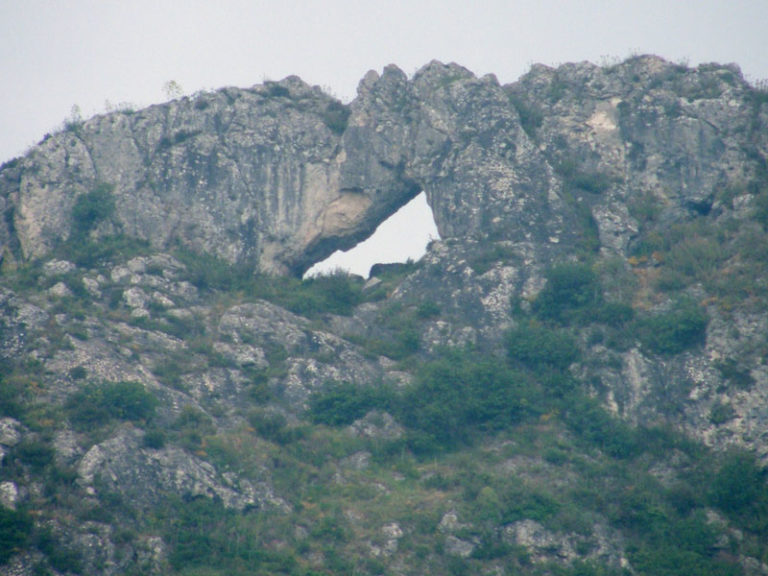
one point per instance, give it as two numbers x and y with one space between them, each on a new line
91 208
676 330
739 489
15 529
572 290
341 403
96 404
457 395
537 346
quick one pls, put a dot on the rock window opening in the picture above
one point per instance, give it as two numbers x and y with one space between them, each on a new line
402 236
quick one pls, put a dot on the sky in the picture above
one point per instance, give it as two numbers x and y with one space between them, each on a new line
97 54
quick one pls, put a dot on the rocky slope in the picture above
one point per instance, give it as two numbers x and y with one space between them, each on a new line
174 400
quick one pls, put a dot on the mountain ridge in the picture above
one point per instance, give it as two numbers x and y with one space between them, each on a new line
571 381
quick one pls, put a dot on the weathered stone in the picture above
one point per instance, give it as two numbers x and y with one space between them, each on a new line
546 546
377 424
141 474
392 534
458 547
9 495
219 173
136 299
450 522
58 267
10 431
92 287
555 167
60 290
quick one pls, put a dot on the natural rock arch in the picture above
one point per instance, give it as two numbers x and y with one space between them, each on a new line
281 175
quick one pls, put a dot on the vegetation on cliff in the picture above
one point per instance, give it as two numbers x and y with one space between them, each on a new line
571 382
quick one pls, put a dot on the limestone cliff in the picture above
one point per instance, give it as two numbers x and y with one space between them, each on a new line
281 175
251 176
592 319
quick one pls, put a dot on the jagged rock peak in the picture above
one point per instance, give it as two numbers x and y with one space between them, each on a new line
437 71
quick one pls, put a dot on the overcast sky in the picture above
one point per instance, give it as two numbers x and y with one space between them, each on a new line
56 54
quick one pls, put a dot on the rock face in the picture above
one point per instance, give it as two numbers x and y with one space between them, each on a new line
251 176
280 175
650 175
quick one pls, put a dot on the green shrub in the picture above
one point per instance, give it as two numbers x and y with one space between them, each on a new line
209 272
760 207
572 291
592 568
90 209
575 178
60 556
404 343
697 256
206 538
35 453
489 255
739 488
645 208
531 116
78 373
558 88
169 371
336 116
96 404
667 560
15 530
274 427
673 545
537 346
676 330
88 253
614 314
594 182
731 371
191 427
459 394
177 138
275 90
593 423
335 293
341 403
522 503
694 533
154 439
493 548
721 413
12 393
427 310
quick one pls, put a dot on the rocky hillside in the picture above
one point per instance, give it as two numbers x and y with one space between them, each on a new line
572 381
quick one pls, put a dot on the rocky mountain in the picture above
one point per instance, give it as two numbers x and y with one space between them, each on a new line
571 381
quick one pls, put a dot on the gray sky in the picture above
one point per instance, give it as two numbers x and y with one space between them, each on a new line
56 54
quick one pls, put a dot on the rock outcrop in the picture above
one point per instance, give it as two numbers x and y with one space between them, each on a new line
280 175
251 176
649 177
572 160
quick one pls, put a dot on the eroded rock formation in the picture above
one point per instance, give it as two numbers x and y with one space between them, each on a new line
281 175
651 176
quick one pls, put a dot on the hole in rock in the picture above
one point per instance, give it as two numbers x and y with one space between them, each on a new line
402 236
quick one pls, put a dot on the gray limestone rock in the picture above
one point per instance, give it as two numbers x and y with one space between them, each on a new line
143 474
281 175
575 163
10 432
